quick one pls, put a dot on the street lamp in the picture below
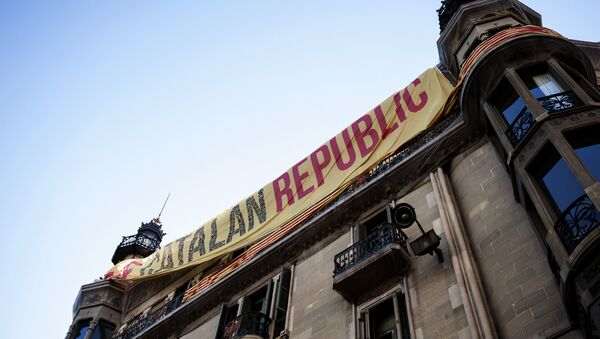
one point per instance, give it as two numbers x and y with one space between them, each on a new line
428 243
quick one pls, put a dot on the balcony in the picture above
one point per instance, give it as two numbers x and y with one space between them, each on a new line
249 325
382 255
137 243
551 103
576 222
141 323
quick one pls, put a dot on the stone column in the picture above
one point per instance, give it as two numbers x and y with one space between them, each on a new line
465 269
90 332
70 332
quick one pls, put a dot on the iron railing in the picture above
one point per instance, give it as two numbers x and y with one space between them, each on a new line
579 219
445 13
252 324
559 101
520 126
143 240
383 236
551 103
142 322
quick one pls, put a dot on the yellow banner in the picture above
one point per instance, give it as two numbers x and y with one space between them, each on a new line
316 178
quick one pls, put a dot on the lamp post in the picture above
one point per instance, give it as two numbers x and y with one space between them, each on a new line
428 243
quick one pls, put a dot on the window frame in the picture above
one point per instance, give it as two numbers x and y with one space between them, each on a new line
273 286
515 79
362 311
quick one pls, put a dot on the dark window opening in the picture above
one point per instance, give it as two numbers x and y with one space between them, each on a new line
553 173
586 143
228 314
82 330
281 306
257 308
178 297
376 222
507 101
387 320
371 225
382 319
257 301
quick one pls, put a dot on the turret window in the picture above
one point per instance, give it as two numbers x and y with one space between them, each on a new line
557 178
549 91
586 143
575 214
522 96
507 101
540 82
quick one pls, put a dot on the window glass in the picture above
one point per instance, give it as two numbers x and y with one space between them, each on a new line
557 178
542 84
103 331
257 301
372 225
540 81
270 300
586 143
507 101
82 332
562 185
590 156
282 302
383 321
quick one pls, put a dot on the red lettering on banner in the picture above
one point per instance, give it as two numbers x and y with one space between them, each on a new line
281 191
399 110
337 155
409 101
298 178
361 135
385 131
319 166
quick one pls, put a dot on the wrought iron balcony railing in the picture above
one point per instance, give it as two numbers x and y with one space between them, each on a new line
520 126
139 324
551 103
560 101
152 244
579 219
254 324
385 235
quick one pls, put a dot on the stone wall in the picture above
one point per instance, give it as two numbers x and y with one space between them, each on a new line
523 295
436 304
207 330
317 310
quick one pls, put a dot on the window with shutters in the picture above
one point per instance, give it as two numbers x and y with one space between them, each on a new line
262 313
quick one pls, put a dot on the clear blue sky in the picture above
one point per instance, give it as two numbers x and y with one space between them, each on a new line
106 106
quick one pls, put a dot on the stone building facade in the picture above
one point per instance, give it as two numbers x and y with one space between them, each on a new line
507 183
